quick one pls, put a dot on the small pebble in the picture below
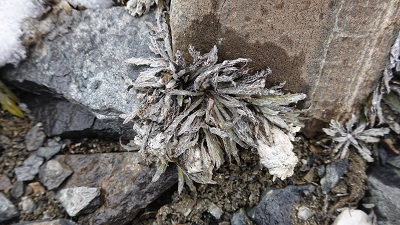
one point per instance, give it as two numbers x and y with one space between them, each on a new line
304 213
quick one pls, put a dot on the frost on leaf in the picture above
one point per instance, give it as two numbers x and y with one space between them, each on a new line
354 134
197 115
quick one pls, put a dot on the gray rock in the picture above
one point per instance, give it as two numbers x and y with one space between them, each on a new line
29 169
383 186
27 204
17 189
35 137
48 152
7 209
333 173
79 200
240 218
276 204
47 222
65 119
124 179
214 210
5 183
305 213
394 161
53 173
82 60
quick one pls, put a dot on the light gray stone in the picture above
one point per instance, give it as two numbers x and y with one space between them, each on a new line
27 204
82 59
5 183
305 213
29 168
79 200
240 218
53 173
215 211
35 137
7 209
333 173
48 152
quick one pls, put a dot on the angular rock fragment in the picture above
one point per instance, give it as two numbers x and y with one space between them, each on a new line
125 181
333 173
79 200
29 168
7 209
17 189
305 213
240 218
35 137
48 152
275 206
27 204
53 173
5 183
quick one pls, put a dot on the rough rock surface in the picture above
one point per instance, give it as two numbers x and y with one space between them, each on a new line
5 183
240 218
383 185
65 119
53 173
87 71
35 137
334 51
125 180
79 200
29 169
275 206
333 173
7 209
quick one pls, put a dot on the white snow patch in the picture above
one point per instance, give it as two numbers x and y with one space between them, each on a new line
12 15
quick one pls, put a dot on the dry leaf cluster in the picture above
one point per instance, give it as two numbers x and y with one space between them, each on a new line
194 115
354 134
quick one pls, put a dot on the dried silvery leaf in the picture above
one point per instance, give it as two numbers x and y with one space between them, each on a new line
353 134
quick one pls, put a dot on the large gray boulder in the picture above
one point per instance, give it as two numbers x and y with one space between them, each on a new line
82 59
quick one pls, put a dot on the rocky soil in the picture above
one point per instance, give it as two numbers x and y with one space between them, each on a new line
239 195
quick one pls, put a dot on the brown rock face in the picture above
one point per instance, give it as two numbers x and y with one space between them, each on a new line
334 51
